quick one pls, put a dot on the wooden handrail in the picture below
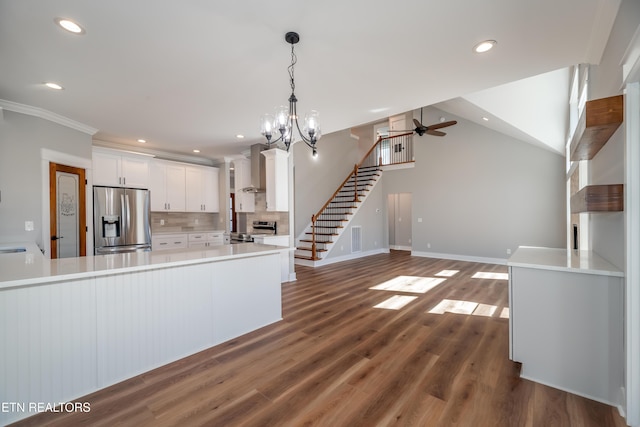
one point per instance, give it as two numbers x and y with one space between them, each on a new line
314 218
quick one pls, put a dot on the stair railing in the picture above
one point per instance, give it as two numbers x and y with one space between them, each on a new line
378 155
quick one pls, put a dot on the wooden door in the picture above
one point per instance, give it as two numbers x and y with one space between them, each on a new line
67 211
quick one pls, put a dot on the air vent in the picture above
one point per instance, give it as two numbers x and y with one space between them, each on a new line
356 239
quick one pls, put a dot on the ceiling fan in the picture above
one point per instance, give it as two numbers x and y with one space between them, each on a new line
430 130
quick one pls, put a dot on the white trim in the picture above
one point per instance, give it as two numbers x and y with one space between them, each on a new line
47 156
408 165
455 257
334 260
568 390
632 249
631 60
400 248
47 115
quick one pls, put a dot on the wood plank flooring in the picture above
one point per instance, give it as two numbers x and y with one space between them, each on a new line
335 360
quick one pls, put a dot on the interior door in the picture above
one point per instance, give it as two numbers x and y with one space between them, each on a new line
67 211
399 213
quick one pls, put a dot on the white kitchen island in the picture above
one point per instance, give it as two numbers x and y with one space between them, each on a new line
566 321
72 326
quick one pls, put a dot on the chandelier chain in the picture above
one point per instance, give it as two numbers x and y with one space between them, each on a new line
294 60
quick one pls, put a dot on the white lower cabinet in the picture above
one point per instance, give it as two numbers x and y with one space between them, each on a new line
204 240
169 241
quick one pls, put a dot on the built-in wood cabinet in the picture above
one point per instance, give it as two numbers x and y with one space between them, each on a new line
167 186
277 174
598 122
114 168
202 189
245 201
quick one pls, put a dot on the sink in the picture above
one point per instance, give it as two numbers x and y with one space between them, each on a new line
12 250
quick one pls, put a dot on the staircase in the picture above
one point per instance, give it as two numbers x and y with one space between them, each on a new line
332 219
327 226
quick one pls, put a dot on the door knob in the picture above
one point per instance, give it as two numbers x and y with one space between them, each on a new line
56 237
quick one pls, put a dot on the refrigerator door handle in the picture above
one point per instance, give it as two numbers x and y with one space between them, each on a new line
127 210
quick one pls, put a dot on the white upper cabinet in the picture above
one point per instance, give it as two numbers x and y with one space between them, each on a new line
277 173
118 169
167 186
202 192
245 202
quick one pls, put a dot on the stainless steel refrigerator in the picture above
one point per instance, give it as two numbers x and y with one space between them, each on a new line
121 220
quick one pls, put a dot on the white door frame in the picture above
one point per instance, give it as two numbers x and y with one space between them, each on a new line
632 251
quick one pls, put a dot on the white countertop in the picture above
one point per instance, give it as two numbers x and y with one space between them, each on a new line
557 259
31 267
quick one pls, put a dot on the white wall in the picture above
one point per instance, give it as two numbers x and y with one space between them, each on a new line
315 180
372 219
21 139
479 192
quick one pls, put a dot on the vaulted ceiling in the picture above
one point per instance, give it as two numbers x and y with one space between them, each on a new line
193 74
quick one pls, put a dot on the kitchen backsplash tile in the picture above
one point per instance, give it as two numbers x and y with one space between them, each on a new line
261 214
184 222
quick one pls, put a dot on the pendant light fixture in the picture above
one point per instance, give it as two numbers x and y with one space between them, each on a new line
286 118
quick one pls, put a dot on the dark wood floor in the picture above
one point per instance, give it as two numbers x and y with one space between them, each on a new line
335 360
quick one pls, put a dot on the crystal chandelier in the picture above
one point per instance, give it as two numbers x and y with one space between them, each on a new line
286 118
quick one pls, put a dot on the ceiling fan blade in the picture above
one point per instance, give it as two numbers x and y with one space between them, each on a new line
442 125
435 132
417 123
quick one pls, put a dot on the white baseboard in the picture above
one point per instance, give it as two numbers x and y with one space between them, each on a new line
400 248
568 390
334 260
486 260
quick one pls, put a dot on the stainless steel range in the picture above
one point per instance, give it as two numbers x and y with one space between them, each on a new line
259 228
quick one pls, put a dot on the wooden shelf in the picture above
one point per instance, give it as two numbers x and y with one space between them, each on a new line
600 119
598 198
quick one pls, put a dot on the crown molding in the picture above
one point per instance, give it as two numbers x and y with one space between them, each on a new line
47 115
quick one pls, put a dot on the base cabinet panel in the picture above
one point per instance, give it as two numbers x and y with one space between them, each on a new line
567 330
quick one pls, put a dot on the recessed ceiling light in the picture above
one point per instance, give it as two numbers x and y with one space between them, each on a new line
486 119
239 136
52 85
196 151
69 25
484 46
142 141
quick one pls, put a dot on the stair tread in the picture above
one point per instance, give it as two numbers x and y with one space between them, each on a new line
304 248
317 241
307 258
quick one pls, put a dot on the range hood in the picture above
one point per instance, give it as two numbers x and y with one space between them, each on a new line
258 173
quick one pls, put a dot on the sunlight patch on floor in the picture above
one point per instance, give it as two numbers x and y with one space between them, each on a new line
396 302
469 308
485 310
419 285
448 273
489 275
454 306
